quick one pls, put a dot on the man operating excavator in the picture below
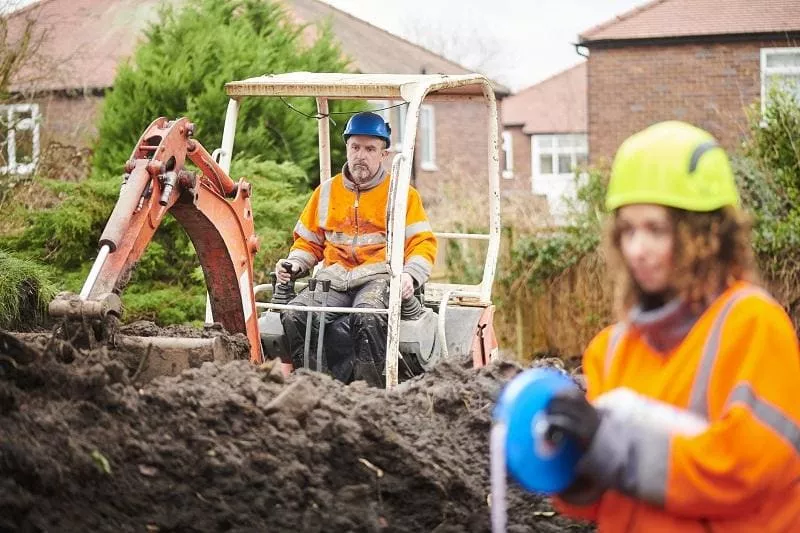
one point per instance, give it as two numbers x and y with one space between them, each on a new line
344 225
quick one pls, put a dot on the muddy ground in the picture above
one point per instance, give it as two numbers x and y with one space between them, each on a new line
236 448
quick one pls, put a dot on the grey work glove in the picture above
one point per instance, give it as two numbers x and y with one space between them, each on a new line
406 286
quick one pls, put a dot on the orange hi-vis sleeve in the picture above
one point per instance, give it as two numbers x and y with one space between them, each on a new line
309 240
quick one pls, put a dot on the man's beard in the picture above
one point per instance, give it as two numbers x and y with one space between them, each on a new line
360 173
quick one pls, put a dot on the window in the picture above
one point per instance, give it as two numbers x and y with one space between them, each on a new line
427 138
508 155
426 131
396 117
780 69
558 155
555 160
19 135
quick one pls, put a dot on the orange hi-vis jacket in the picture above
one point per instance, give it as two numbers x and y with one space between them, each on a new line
737 367
344 225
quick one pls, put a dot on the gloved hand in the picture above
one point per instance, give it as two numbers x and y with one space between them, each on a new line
570 413
406 286
282 274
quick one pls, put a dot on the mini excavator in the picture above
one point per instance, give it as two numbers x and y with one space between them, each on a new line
452 320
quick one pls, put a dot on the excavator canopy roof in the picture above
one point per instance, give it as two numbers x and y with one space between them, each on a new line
357 86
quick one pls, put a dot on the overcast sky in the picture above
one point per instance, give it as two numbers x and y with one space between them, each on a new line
536 35
10 5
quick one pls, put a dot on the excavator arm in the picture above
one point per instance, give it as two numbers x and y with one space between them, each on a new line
214 211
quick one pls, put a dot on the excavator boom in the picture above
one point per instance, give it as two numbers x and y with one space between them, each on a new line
214 211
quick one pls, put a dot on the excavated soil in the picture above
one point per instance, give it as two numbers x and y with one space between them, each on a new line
234 447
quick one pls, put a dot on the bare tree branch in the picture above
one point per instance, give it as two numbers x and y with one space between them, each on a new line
21 36
465 40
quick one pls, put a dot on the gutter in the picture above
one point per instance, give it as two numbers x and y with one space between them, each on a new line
791 38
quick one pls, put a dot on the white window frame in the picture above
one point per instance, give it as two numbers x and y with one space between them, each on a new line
14 125
430 139
556 185
767 71
508 151
555 151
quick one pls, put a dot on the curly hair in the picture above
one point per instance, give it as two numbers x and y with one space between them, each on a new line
712 250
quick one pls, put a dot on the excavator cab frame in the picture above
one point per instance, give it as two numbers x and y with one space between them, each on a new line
412 89
217 215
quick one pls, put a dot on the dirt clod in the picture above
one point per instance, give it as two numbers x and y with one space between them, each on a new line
228 447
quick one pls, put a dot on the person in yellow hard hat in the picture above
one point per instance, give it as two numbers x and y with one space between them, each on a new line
691 419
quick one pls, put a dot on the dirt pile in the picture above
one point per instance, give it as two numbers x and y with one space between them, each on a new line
235 448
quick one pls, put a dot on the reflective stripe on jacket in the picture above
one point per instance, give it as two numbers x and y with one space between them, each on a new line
345 227
739 368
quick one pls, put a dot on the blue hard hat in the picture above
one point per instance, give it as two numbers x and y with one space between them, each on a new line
368 123
537 464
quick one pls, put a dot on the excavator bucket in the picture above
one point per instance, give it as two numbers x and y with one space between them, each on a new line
169 356
217 216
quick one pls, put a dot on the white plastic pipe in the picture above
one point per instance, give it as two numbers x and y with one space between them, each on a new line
497 452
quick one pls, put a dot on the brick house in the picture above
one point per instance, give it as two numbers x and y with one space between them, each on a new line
545 137
693 60
86 39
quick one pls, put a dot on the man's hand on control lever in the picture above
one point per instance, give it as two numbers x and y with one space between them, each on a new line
406 286
284 274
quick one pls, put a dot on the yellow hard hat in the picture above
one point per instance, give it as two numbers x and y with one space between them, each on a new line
673 164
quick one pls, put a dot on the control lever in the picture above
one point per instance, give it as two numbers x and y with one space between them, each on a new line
283 293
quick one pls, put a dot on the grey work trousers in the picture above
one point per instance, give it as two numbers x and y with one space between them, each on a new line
365 356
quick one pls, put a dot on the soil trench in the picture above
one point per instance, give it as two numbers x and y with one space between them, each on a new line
234 447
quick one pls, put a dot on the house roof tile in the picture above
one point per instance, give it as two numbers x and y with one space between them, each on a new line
555 105
85 40
690 18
